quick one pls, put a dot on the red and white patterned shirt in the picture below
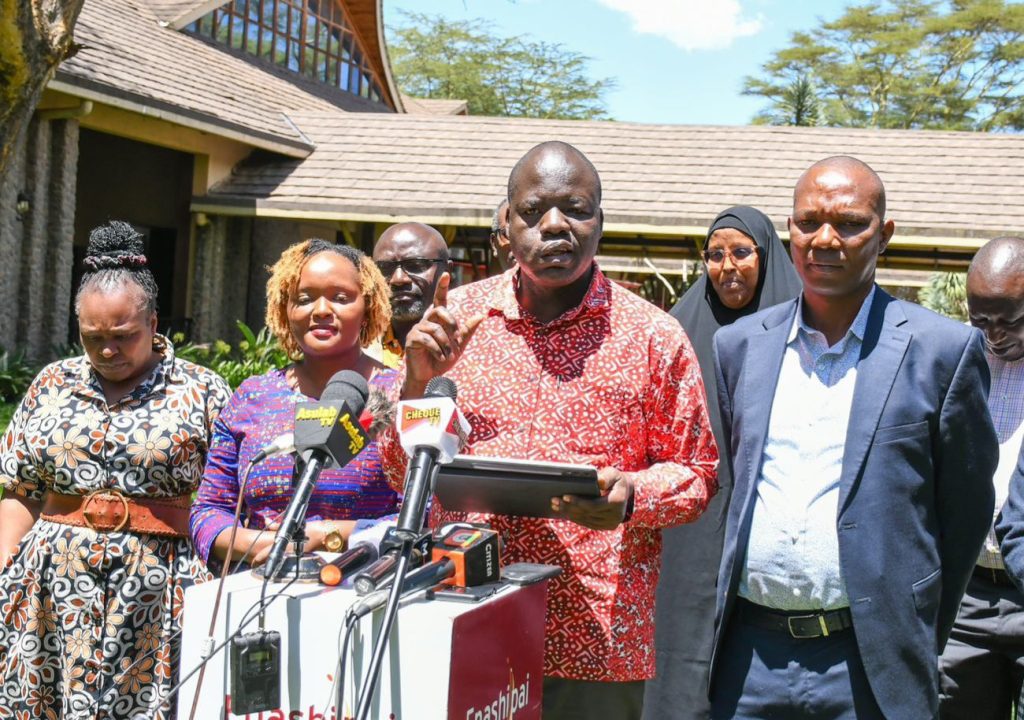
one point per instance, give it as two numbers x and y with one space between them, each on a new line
613 382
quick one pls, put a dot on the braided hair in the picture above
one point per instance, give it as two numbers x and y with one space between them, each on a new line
284 280
115 256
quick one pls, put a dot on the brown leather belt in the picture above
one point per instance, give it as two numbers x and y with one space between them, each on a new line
110 510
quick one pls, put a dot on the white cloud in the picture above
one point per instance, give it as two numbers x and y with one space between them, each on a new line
690 24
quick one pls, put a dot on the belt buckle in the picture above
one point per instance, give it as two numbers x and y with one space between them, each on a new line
800 636
105 492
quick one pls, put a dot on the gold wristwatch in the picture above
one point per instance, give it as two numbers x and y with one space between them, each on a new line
334 541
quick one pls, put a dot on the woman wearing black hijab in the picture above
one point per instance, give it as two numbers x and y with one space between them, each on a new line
746 269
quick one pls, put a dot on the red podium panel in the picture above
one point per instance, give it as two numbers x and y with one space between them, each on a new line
473 693
447 659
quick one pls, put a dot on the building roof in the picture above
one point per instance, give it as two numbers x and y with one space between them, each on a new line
434 106
179 13
131 59
945 189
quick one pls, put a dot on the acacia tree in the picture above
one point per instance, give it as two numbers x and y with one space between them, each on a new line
955 64
434 58
35 35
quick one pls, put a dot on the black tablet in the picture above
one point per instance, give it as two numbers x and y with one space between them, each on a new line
472 483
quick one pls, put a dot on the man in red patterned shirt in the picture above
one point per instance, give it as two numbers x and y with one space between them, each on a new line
554 362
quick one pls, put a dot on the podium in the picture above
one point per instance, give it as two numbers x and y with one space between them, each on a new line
446 658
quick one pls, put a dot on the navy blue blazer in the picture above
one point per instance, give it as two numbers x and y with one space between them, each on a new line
915 499
1010 526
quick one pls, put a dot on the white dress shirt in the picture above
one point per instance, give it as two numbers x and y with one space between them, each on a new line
792 559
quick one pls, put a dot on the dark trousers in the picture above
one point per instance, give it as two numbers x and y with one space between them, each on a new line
982 667
587 700
765 674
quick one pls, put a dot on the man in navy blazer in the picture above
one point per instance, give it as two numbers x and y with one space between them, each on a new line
1010 526
862 453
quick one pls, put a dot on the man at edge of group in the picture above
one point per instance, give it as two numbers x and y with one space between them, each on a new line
411 257
500 248
862 455
982 666
554 362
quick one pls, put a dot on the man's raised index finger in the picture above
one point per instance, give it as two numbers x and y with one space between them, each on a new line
441 291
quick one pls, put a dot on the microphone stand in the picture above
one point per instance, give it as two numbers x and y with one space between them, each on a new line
390 611
303 566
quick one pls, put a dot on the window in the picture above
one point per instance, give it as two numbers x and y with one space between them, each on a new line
311 37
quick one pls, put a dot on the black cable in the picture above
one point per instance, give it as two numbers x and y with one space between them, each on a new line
339 676
259 606
370 684
224 571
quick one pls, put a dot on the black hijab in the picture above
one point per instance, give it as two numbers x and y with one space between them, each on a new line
701 313
685 610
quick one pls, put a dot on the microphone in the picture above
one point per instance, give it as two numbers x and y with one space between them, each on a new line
379 573
419 579
431 430
474 553
326 435
378 415
283 444
348 562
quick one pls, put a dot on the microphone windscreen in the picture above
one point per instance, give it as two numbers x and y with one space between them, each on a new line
381 410
349 387
441 386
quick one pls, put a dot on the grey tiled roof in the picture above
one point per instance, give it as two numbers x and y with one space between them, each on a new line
434 106
659 179
170 11
130 58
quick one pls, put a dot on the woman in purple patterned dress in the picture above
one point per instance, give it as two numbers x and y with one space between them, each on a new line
325 304
98 466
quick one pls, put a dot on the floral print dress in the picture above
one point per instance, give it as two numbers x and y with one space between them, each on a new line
90 621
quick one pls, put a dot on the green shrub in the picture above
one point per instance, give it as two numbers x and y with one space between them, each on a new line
946 293
255 355
15 375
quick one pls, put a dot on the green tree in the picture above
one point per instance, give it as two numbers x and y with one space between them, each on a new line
946 293
34 37
435 58
953 64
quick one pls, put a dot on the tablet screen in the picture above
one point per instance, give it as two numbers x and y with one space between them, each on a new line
472 483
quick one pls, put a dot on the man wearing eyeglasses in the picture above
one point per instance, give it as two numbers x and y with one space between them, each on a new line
411 257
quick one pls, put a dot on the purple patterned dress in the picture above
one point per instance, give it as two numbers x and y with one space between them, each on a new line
89 621
261 409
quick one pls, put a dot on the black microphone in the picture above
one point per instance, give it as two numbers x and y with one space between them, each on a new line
421 578
380 572
327 433
347 563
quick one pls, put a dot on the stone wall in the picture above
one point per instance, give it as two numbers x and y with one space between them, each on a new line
220 285
36 255
269 240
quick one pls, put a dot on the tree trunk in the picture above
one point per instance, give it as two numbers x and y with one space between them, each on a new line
35 35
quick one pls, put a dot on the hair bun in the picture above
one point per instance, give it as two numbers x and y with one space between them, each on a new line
115 245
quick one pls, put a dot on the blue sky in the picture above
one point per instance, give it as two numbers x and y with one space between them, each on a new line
675 61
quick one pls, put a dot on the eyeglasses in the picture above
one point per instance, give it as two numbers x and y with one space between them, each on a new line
738 255
410 266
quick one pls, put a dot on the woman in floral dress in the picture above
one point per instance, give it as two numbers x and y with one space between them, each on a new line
98 466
